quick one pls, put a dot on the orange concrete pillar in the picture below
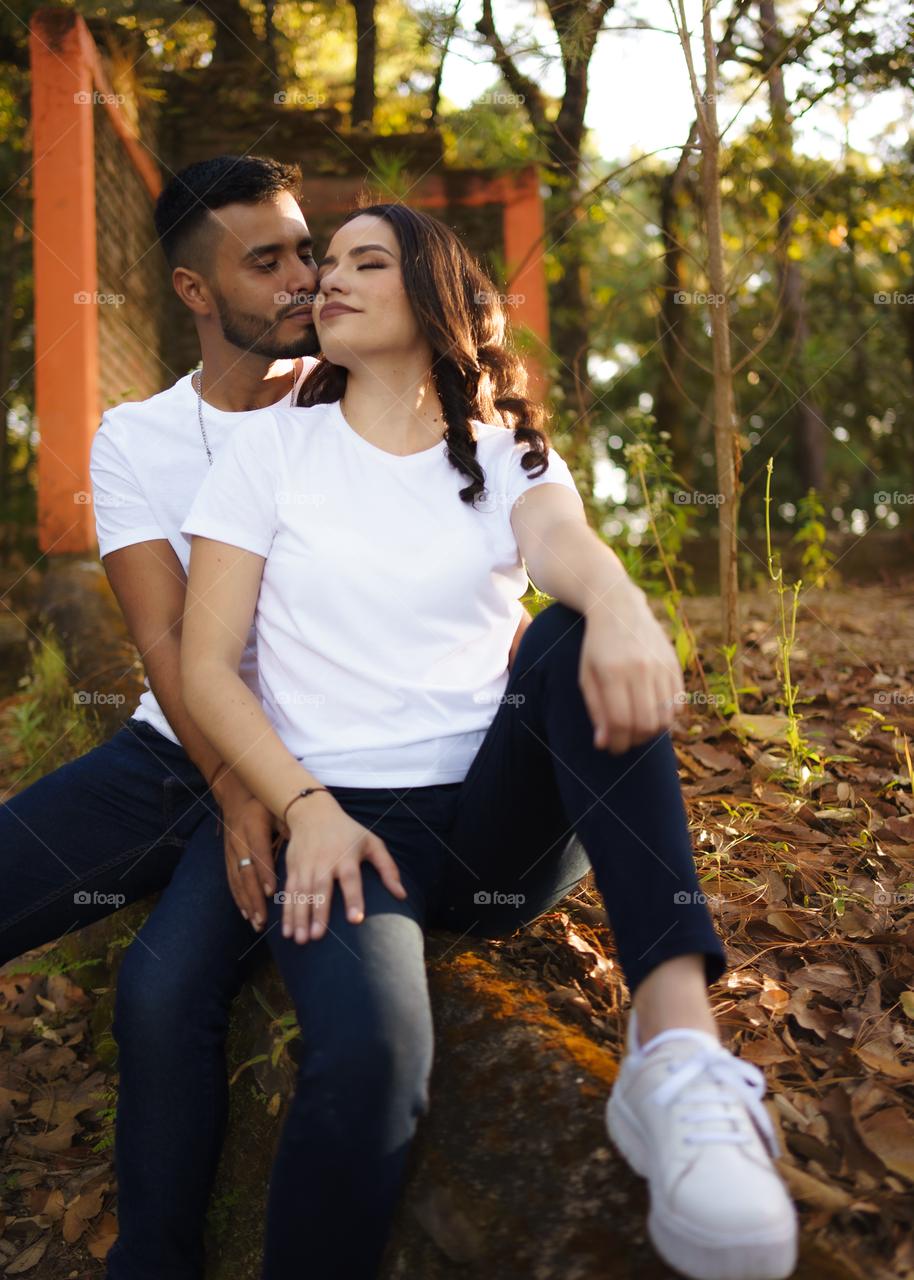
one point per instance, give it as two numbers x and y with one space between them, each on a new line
66 313
523 227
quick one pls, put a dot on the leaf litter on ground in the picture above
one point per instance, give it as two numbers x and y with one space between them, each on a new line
812 892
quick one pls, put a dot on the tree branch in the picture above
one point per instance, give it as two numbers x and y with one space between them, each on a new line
518 83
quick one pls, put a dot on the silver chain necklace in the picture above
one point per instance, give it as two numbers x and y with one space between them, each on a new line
200 406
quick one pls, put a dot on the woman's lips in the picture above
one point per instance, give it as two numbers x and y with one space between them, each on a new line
336 309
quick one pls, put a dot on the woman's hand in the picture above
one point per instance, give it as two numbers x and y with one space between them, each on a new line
325 844
629 674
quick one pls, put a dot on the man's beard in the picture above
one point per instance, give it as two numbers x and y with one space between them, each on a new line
257 335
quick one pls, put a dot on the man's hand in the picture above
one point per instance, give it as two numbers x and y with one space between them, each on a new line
248 834
629 675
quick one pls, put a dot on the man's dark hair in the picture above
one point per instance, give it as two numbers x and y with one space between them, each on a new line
183 208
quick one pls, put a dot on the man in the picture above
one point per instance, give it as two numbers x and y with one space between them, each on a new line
140 813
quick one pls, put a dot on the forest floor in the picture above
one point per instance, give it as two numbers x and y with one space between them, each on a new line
811 887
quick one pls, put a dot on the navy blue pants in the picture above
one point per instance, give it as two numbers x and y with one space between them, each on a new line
480 857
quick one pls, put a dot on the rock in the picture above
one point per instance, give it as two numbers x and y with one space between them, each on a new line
76 600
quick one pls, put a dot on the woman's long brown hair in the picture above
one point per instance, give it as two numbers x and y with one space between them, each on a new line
461 314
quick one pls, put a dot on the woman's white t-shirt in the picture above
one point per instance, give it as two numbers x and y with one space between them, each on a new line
388 605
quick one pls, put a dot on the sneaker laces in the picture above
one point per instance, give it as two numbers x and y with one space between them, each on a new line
743 1078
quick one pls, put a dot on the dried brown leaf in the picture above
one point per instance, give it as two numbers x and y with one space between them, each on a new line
890 1134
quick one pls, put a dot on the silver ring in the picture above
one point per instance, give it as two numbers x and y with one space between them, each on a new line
245 862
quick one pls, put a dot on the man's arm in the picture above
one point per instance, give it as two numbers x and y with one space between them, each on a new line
150 586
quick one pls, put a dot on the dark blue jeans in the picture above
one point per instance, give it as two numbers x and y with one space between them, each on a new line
130 818
360 992
464 853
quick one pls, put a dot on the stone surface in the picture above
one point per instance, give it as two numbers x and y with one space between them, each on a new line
76 600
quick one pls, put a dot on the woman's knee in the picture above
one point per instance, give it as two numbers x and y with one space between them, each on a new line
554 637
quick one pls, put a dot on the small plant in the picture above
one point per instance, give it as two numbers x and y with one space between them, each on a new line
219 1218
50 729
284 1027
817 560
106 1117
787 619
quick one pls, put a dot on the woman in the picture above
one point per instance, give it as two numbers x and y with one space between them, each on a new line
379 543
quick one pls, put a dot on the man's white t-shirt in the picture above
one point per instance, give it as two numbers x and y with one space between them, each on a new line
148 461
388 605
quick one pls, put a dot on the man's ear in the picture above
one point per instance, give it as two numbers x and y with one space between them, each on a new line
192 289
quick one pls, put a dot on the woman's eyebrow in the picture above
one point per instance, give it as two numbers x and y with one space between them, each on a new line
330 259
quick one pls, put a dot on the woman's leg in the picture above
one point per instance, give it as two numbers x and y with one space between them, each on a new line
685 1113
361 998
536 781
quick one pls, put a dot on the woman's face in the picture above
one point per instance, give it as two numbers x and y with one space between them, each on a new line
362 312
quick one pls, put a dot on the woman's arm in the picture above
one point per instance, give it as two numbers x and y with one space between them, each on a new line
324 843
629 675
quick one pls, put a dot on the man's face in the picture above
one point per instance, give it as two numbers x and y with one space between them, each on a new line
263 278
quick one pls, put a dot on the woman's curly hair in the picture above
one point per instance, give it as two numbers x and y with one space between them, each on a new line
461 314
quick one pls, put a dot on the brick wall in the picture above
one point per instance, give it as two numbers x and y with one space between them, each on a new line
131 266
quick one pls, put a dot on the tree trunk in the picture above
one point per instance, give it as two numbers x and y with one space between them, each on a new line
363 93
670 398
810 426
577 26
235 38
726 441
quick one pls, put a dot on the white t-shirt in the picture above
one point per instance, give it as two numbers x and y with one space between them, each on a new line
148 461
388 605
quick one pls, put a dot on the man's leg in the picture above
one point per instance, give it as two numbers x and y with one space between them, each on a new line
95 835
174 993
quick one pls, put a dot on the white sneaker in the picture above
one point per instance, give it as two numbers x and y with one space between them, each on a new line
689 1117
